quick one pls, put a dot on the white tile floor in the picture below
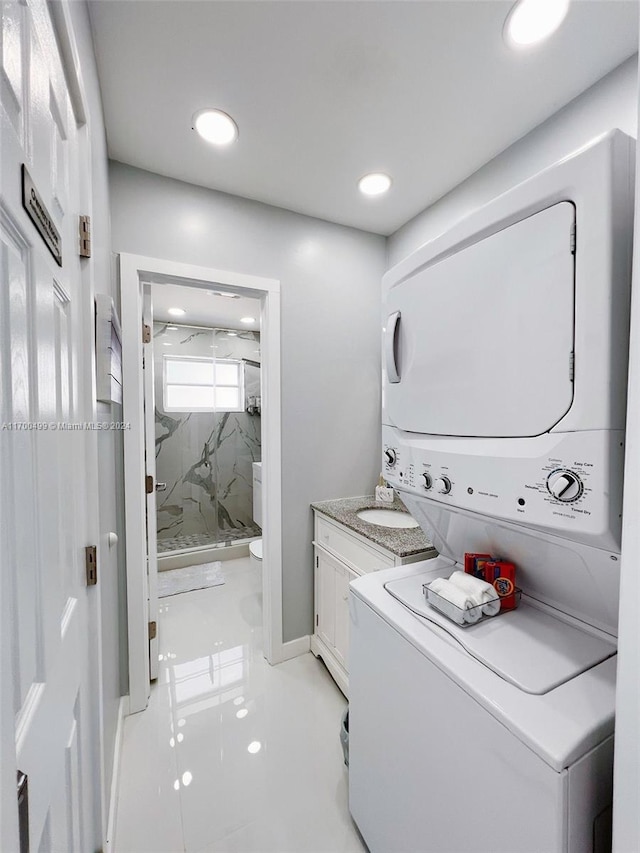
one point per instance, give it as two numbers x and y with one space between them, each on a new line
233 755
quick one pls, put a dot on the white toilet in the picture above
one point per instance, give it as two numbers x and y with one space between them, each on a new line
255 547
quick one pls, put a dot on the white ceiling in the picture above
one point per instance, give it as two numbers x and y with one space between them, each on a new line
203 308
324 92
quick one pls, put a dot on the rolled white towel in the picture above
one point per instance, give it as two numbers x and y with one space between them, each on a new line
482 592
454 602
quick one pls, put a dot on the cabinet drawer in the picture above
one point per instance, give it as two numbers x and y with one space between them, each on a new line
360 556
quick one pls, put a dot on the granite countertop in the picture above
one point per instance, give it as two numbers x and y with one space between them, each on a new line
402 543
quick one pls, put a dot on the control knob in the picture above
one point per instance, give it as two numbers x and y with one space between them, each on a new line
443 485
428 482
392 457
564 485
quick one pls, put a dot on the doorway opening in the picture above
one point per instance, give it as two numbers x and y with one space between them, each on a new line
201 395
207 413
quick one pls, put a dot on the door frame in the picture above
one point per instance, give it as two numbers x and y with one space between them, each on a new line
151 507
135 271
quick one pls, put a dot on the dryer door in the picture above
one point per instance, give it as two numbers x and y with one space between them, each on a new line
482 342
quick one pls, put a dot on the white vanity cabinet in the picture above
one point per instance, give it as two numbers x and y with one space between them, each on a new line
332 613
340 555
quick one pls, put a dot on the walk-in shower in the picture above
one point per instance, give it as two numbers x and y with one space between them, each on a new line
207 399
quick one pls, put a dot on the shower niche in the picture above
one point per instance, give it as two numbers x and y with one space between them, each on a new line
207 420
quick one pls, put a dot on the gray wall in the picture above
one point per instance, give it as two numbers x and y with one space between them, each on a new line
330 279
110 489
612 102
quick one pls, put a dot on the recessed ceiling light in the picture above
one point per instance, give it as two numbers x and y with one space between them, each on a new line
254 746
532 21
247 319
215 127
375 183
176 312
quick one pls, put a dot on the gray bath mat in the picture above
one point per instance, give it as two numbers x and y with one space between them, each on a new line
176 581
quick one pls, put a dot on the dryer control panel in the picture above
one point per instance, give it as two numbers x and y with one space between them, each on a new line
569 484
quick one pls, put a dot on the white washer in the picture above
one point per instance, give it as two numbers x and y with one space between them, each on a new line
504 392
448 756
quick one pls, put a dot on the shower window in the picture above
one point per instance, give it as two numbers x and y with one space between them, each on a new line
195 384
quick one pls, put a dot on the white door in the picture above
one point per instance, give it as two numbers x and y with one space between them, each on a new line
325 598
344 576
150 467
48 478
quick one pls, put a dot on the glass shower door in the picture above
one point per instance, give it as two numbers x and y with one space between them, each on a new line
185 410
236 432
207 436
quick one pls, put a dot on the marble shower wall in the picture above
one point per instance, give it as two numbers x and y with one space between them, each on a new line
205 457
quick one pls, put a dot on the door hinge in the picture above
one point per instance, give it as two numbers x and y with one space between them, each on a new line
317 562
572 239
84 228
146 334
148 484
316 620
91 564
23 811
572 366
153 630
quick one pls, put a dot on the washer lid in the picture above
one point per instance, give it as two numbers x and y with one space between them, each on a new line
481 343
528 647
560 726
255 548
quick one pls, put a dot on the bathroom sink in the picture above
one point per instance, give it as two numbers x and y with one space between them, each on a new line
387 518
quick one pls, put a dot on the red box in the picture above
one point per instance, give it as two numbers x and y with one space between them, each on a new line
471 567
502 576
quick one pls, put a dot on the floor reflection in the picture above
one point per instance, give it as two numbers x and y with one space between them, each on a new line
232 754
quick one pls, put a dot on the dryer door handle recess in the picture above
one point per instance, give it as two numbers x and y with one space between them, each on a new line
393 321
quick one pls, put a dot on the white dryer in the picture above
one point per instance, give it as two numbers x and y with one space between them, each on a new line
504 393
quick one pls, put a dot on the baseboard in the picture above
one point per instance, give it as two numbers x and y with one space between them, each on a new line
294 648
123 710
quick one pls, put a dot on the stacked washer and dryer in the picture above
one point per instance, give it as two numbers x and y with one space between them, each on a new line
504 397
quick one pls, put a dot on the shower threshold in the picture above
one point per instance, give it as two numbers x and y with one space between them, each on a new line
207 552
